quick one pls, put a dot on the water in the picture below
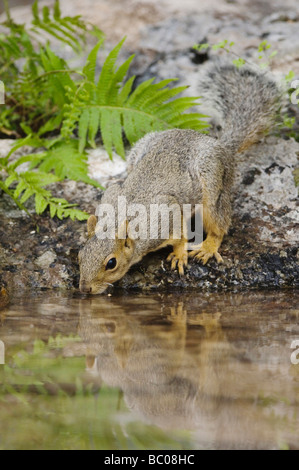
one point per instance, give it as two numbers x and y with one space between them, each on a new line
150 371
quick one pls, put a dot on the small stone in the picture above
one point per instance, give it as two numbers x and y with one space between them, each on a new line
46 259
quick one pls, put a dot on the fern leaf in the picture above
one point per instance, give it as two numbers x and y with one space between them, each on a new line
191 121
32 184
125 91
130 128
118 77
41 204
33 159
56 10
106 73
53 210
107 130
46 14
38 179
11 194
144 89
117 138
60 28
26 195
90 67
83 129
158 98
10 180
94 125
68 162
35 11
69 30
150 92
57 82
51 125
62 209
179 106
29 140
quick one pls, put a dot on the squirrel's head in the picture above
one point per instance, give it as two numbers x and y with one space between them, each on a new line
103 261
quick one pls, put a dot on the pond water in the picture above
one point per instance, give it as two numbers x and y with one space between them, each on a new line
169 371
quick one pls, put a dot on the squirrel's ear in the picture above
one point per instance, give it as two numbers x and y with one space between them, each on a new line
91 226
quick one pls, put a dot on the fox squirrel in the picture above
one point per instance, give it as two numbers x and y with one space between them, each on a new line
182 166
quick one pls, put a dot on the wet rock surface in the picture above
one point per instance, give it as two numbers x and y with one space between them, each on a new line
261 249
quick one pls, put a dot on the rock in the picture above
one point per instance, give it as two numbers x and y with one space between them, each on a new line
45 260
102 168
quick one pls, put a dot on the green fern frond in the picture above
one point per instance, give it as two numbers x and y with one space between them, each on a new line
107 74
145 91
21 186
66 161
57 75
69 30
34 159
113 109
94 124
83 128
32 184
62 209
91 63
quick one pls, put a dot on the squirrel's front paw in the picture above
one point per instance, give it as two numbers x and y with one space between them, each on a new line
206 250
179 259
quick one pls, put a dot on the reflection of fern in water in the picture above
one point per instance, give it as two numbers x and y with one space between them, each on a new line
48 104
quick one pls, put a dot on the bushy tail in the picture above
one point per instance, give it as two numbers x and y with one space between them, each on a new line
245 100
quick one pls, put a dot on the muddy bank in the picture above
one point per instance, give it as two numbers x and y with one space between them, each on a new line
261 249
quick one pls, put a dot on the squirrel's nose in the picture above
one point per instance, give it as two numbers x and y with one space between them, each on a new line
85 288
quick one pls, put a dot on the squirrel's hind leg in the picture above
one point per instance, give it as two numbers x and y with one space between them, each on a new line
210 246
207 249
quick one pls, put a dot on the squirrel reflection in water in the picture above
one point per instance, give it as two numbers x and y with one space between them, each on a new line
168 366
188 367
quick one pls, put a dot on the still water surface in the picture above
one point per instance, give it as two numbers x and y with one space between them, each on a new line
193 371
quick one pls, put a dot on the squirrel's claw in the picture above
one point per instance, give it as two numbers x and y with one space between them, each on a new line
205 252
178 260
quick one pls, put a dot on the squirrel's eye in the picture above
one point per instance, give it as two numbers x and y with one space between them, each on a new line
111 263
